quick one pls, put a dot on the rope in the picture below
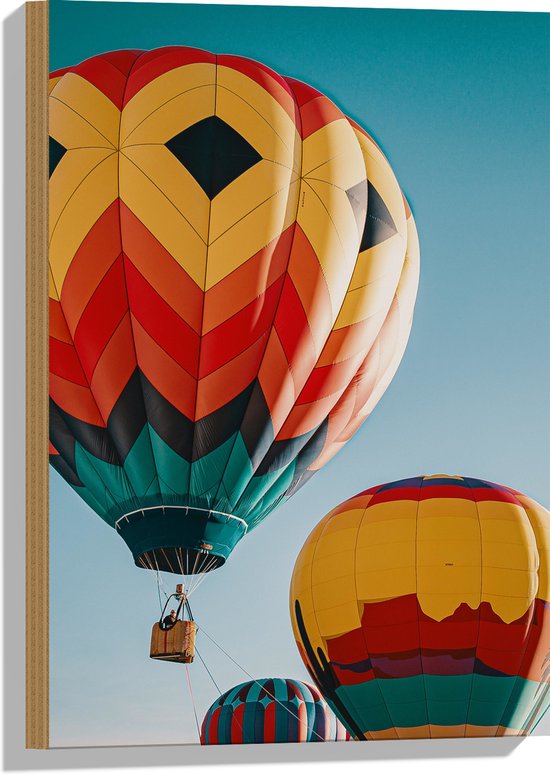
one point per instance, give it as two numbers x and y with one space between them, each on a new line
195 563
178 555
203 574
201 568
260 684
192 577
209 672
146 562
158 589
160 582
192 700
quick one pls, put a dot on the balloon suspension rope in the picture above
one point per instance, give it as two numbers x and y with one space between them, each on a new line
191 582
258 683
209 672
193 700
159 584
201 567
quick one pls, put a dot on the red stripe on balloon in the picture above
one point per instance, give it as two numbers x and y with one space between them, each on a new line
270 81
302 722
293 327
96 254
270 715
64 362
214 726
303 93
160 269
317 113
101 317
106 75
153 64
161 322
237 725
58 324
240 331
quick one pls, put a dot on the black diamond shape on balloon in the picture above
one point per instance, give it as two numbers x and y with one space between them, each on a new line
57 151
357 196
379 224
214 153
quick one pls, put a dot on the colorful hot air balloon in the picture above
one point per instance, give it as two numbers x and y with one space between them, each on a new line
421 608
233 270
271 710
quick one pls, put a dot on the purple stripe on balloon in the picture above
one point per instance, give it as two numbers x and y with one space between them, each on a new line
429 662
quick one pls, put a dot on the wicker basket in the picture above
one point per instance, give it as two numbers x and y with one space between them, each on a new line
174 644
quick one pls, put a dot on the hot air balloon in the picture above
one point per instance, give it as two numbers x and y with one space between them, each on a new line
271 710
233 270
421 609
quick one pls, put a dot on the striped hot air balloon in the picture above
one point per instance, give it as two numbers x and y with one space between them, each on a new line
421 608
233 270
271 710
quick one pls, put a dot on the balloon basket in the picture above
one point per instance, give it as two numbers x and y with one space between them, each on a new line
174 644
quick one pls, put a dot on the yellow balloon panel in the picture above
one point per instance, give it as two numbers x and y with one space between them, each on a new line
170 119
162 218
90 104
192 80
82 208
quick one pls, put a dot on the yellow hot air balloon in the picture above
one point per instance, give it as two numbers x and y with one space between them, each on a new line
421 608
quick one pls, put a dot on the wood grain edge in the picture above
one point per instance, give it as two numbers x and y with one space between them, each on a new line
37 489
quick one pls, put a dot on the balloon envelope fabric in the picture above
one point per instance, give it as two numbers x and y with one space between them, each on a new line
233 270
421 608
271 710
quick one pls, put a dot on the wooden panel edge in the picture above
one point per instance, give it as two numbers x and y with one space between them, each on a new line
37 490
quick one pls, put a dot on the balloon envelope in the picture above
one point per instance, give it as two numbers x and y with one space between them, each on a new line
421 608
233 271
271 710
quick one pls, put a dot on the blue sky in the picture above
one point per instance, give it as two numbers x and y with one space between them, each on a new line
460 103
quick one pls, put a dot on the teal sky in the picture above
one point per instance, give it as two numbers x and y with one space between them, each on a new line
460 103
